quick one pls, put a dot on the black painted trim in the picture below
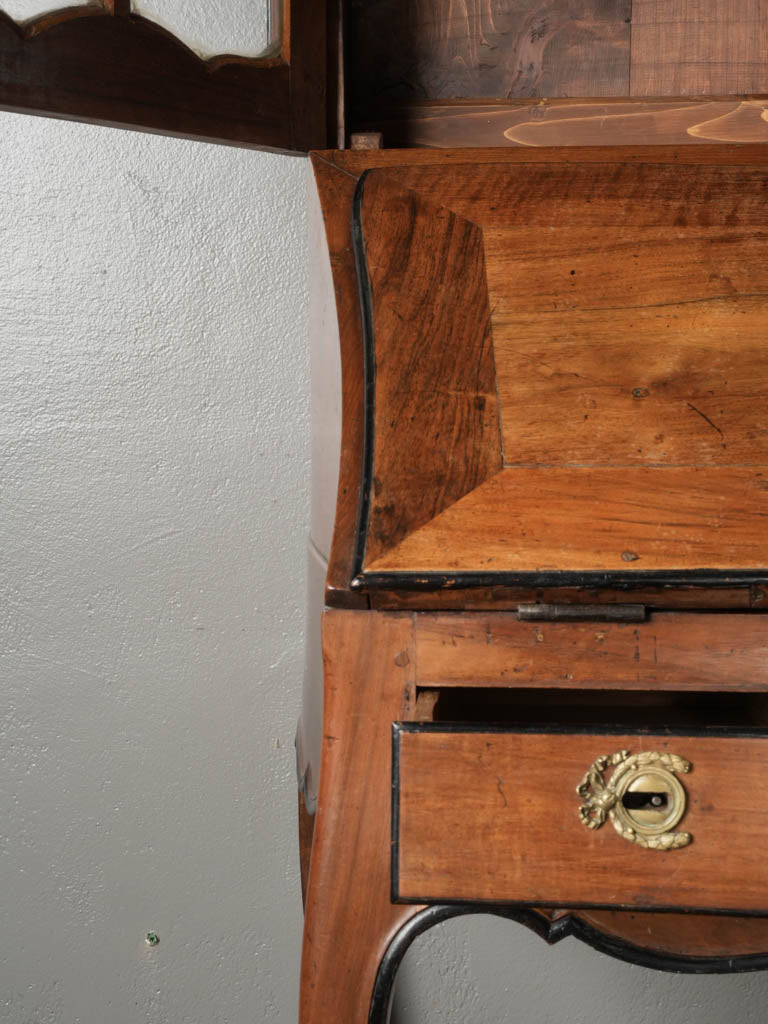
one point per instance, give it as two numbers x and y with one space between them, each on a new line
369 376
394 860
598 729
552 933
626 581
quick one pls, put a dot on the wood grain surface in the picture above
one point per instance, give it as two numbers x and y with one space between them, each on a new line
493 816
496 598
373 661
511 48
415 165
603 189
692 935
452 54
349 919
643 363
436 423
627 519
695 202
627 308
573 122
683 651
698 47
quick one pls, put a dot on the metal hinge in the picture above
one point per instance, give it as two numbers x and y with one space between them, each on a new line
581 612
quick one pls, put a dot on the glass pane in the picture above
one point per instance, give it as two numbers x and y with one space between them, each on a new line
248 28
26 10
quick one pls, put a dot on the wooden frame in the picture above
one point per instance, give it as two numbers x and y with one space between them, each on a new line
109 66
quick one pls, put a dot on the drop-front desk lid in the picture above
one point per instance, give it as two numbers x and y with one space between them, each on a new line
566 368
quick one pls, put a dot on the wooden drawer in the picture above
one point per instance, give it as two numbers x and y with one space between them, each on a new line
483 814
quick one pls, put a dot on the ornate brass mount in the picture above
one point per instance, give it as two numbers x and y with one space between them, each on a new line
643 798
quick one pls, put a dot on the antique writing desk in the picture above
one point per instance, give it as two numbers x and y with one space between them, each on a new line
544 648
539 347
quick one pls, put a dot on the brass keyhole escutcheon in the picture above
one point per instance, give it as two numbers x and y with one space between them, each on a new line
643 798
651 801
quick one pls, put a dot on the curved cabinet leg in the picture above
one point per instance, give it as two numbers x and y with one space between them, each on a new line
350 920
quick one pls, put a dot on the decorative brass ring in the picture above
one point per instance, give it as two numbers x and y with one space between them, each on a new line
643 798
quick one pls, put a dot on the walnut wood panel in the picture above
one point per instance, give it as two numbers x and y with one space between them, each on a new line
694 936
638 364
698 47
125 70
536 520
607 355
349 918
680 651
493 816
561 192
684 205
574 122
436 425
511 48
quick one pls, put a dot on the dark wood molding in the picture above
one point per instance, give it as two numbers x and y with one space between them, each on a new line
86 64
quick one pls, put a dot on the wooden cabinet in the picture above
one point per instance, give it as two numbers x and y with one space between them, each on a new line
550 551
549 560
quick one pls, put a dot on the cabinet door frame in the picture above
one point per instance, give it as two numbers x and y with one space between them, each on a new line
105 65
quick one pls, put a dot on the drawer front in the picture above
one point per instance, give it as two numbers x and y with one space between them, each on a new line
494 815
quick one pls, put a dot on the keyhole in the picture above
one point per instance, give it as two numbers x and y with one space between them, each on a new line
639 801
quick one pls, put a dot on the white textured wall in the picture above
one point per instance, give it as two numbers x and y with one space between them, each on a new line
153 516
154 476
483 970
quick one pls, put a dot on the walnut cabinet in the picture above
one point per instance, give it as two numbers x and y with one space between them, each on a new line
537 681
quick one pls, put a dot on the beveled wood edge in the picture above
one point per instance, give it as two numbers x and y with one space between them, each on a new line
552 931
354 162
335 188
485 466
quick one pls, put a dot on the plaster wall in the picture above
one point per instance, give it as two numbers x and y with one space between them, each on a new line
154 473
154 483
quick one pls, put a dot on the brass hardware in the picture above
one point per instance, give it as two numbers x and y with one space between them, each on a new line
643 798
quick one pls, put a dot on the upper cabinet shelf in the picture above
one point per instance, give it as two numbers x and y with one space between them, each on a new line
433 73
438 73
516 73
